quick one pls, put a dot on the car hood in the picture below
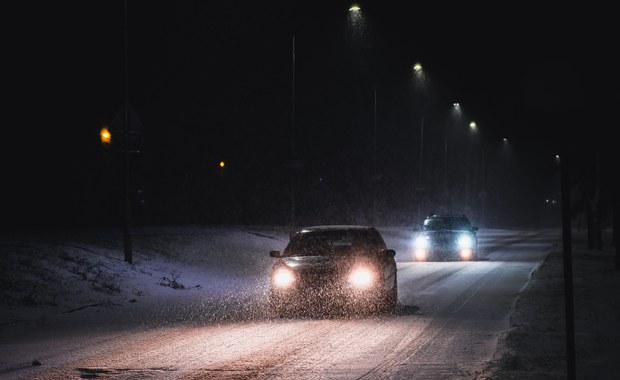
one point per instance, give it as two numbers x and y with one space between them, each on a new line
454 231
323 262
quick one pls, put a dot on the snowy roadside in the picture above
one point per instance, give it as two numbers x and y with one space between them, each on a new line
534 346
81 280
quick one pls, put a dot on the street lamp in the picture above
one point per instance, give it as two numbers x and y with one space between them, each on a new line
356 20
358 27
105 136
128 245
420 80
477 168
456 116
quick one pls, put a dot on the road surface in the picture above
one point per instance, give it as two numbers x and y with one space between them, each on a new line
449 317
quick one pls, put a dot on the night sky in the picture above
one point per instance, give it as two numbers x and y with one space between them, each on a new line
215 81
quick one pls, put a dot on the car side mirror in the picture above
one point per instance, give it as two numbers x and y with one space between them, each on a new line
390 253
275 254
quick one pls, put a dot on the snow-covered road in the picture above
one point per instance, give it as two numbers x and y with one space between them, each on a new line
447 325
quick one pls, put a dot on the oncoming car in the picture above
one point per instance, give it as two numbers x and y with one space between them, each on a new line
334 269
446 237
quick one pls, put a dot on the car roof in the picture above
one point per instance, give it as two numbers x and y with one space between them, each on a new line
459 216
335 227
451 221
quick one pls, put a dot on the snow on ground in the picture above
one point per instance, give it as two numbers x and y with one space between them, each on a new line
535 345
51 280
81 277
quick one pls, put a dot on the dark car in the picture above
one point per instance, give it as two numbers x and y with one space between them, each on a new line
446 237
334 269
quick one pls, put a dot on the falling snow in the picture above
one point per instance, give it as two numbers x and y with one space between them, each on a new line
180 275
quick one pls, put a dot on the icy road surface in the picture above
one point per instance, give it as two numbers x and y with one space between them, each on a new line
447 325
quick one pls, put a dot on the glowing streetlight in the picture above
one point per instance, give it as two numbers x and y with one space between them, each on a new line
355 8
106 136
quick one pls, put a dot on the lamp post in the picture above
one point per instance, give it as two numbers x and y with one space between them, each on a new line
375 175
471 172
357 24
479 169
419 80
294 164
127 200
456 115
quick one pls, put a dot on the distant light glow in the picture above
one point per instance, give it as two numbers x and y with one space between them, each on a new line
106 136
222 164
417 69
473 126
419 75
357 24
456 109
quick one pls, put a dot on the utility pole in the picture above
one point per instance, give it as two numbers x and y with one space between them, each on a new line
568 265
292 164
127 195
421 146
375 175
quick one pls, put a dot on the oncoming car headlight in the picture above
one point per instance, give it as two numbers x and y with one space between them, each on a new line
362 277
466 247
420 247
283 277
465 242
421 242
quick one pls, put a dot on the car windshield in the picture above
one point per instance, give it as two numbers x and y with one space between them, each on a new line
447 223
327 243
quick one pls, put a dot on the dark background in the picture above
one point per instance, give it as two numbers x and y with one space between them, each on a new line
211 81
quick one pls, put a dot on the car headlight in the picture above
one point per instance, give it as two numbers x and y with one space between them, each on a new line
283 278
421 242
465 242
361 277
420 247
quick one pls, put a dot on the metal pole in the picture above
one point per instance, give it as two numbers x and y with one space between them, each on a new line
127 229
374 163
293 104
445 163
420 169
292 164
568 266
421 145
375 135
